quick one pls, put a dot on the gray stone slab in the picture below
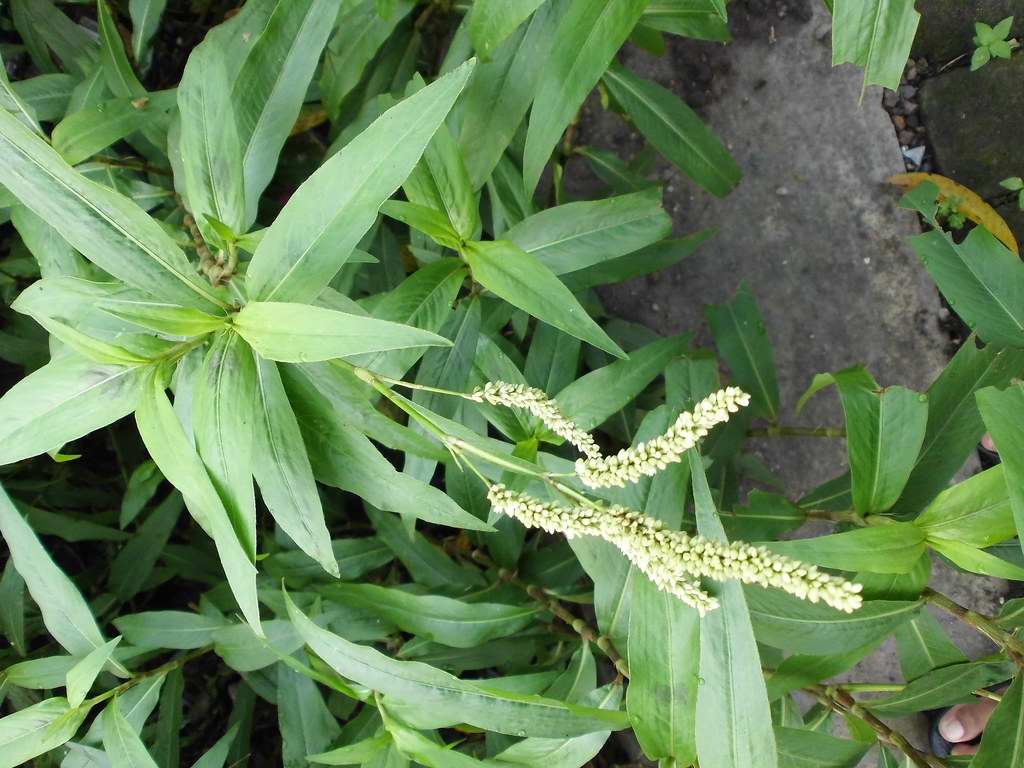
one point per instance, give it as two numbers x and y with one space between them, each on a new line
812 228
975 123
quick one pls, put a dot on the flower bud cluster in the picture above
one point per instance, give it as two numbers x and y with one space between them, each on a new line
540 405
630 464
674 560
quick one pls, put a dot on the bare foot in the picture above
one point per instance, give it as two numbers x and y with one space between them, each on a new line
987 442
964 723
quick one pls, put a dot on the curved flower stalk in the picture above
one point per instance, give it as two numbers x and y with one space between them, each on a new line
540 405
674 560
630 464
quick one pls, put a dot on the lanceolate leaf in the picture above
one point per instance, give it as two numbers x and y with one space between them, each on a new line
39 728
145 15
434 698
876 35
174 453
282 470
269 89
1002 412
222 423
211 152
330 212
520 279
734 724
66 614
109 230
88 131
121 742
675 130
880 549
494 20
586 40
300 333
1002 743
165 318
62 401
578 235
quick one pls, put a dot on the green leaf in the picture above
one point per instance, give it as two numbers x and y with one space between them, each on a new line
36 729
801 748
502 89
145 16
742 339
270 86
165 318
924 646
664 664
699 19
44 28
593 398
942 687
642 262
954 423
295 333
429 221
243 651
121 742
344 458
427 563
885 430
117 70
435 617
892 548
976 512
876 35
12 607
307 244
980 58
734 722
519 278
675 129
39 674
800 670
360 753
46 95
306 725
579 235
222 425
135 562
210 148
217 755
437 699
588 37
976 560
1003 413
179 630
982 278
84 344
173 452
440 180
783 621
1002 742
494 20
65 612
16 105
108 229
282 470
81 676
88 131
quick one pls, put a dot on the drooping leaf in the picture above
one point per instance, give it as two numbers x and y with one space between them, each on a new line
307 244
675 129
282 470
589 35
975 560
108 229
435 617
122 743
62 401
734 724
432 698
300 333
519 278
173 452
65 612
876 35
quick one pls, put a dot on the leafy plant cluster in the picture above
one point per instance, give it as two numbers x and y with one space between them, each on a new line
313 380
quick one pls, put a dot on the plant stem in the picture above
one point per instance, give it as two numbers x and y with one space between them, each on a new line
161 670
797 432
1013 645
842 702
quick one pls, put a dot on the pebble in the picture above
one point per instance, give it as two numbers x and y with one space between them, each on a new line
899 122
908 91
890 98
906 137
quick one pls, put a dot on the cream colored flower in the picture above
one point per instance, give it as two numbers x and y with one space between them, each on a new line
630 464
674 560
540 405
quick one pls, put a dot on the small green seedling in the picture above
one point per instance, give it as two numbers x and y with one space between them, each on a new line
992 41
950 209
1015 184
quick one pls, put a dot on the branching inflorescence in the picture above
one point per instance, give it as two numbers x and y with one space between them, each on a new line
673 560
